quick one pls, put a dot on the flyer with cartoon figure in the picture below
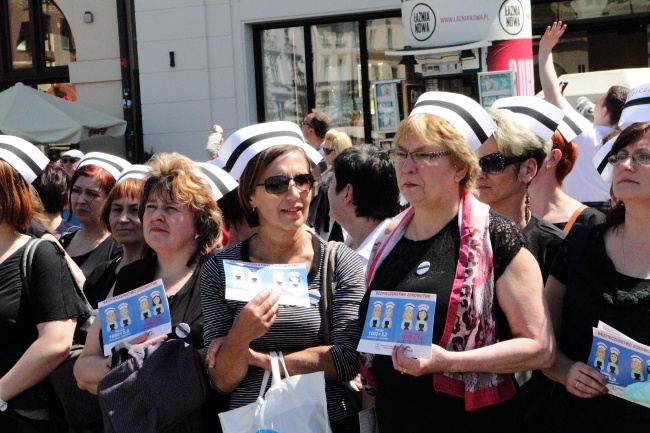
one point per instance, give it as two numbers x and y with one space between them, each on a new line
396 318
133 313
624 362
244 280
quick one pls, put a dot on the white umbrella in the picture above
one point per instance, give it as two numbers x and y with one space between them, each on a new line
41 118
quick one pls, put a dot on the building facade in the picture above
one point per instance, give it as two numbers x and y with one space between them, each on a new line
172 69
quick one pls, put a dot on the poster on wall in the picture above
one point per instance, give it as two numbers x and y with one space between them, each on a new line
496 85
411 91
386 106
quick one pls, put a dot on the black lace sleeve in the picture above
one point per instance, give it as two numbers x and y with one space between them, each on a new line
506 239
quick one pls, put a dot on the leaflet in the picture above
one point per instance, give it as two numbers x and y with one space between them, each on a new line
131 314
244 280
624 362
399 318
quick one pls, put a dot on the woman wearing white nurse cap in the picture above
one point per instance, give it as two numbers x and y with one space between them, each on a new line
465 114
247 142
23 156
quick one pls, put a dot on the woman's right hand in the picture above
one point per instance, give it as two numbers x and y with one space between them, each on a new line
585 381
256 318
552 35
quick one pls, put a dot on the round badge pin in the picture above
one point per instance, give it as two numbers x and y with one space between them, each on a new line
182 330
423 268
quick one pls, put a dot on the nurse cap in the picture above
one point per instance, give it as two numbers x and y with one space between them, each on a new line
637 106
536 114
219 180
135 171
465 114
111 163
23 156
248 142
573 124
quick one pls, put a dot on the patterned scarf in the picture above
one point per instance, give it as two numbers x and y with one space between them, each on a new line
470 321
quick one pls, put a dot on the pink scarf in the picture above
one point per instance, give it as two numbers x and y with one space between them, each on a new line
470 321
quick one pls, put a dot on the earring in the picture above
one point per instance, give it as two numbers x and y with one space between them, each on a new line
527 213
253 208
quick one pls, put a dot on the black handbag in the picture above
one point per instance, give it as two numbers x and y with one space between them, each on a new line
80 408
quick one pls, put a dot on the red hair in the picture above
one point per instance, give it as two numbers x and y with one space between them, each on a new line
103 177
569 155
16 207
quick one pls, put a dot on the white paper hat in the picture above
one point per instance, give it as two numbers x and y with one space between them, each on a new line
73 153
636 358
465 114
615 351
637 106
23 156
123 305
536 114
111 163
135 171
390 304
409 305
219 180
378 303
246 143
424 307
573 124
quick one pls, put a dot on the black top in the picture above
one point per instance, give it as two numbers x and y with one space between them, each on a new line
544 240
408 403
51 296
100 281
595 291
588 216
107 250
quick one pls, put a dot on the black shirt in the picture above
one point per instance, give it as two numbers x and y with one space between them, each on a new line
544 240
107 250
408 403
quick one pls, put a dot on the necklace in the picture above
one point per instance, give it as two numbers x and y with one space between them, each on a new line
641 274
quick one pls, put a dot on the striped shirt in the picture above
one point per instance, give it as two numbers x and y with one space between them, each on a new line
295 328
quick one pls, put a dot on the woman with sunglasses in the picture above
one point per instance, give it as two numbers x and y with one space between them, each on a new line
508 165
335 143
271 162
603 274
91 182
489 319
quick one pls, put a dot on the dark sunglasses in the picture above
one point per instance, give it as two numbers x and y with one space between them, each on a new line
328 151
69 160
495 163
280 183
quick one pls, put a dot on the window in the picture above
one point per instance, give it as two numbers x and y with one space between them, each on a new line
36 43
328 65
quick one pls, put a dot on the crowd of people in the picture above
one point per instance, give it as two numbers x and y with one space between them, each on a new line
523 268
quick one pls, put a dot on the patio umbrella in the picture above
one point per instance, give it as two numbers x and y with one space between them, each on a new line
41 118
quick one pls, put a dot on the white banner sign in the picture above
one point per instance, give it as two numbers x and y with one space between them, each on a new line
433 23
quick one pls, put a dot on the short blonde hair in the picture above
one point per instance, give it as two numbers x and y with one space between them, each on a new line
331 134
432 129
177 178
515 139
340 142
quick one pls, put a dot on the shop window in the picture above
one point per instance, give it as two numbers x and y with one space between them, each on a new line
328 66
546 13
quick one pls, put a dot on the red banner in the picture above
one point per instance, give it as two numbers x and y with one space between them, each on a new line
516 55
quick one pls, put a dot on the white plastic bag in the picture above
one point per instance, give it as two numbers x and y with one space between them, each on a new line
296 404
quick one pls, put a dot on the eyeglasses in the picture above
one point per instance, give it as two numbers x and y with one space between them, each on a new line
69 160
304 122
398 156
637 158
279 184
328 151
495 163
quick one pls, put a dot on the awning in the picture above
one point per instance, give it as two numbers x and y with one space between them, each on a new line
437 50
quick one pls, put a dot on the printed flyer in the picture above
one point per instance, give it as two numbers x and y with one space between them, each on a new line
131 314
244 280
624 362
396 318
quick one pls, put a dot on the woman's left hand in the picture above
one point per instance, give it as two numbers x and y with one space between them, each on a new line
419 366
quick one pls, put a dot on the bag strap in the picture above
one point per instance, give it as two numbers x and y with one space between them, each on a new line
573 218
328 287
276 359
26 268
